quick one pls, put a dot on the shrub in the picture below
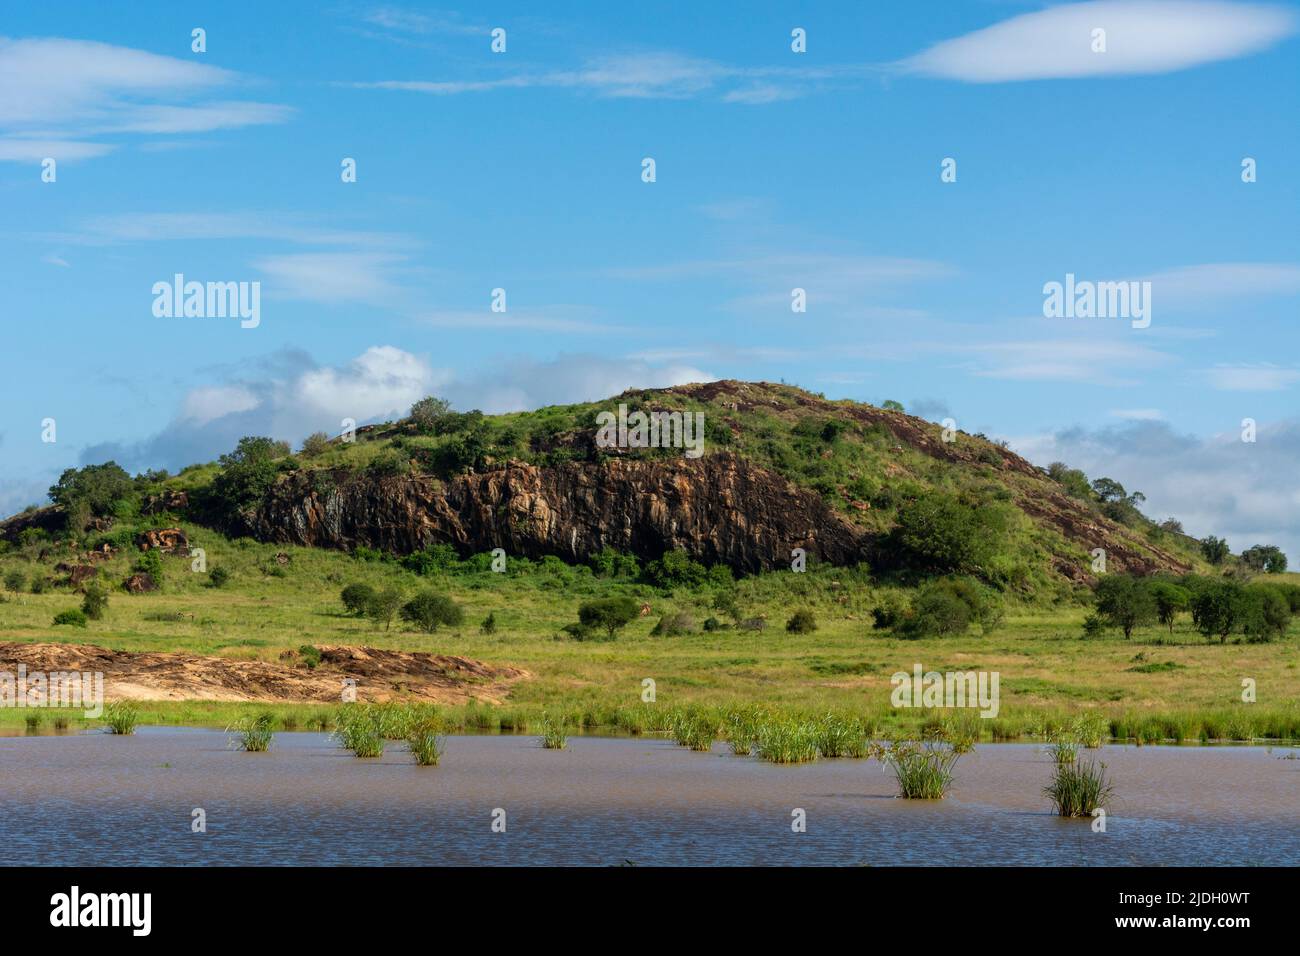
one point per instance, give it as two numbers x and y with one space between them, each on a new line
247 474
676 569
609 563
219 577
937 532
923 770
555 735
317 443
150 563
356 598
429 609
938 612
435 559
608 613
429 411
95 601
427 741
488 624
889 613
1264 557
74 617
1093 626
802 621
38 583
94 489
15 580
1267 614
310 655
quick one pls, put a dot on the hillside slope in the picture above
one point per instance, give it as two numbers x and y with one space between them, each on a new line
781 468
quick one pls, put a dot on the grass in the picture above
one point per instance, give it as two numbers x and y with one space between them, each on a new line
358 728
555 734
923 769
121 717
253 734
427 741
1079 788
843 668
788 741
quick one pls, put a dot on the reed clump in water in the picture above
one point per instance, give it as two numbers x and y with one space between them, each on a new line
1079 788
253 734
358 728
555 733
121 717
838 736
787 741
426 740
923 770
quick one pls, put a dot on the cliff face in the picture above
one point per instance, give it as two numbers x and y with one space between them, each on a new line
719 508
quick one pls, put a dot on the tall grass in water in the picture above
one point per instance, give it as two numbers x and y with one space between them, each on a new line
961 730
253 734
787 741
357 728
34 721
840 736
555 734
1077 788
696 729
1092 729
427 741
923 770
121 717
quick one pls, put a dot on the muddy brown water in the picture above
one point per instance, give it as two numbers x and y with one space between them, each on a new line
96 799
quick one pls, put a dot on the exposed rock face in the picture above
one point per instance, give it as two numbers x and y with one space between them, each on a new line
167 540
140 583
719 508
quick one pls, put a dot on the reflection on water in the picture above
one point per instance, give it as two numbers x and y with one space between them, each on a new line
90 799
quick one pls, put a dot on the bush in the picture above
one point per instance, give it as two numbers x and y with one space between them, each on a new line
1268 614
1264 557
937 611
95 602
489 624
38 583
310 655
15 580
429 609
218 577
937 532
802 621
676 569
247 474
356 598
1169 599
1125 602
889 613
609 563
74 617
1214 549
93 490
429 411
608 613
150 563
317 443
1093 626
435 559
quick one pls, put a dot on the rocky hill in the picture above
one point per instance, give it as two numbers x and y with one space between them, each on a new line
780 468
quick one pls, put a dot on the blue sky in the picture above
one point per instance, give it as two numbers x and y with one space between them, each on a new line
774 170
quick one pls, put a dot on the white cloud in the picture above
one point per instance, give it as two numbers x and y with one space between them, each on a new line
1242 491
334 277
1142 37
1211 283
1253 378
202 405
1097 361
1138 414
53 88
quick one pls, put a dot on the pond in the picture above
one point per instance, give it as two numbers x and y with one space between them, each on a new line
97 799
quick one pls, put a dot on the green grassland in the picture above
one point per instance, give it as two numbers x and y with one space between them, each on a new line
1156 686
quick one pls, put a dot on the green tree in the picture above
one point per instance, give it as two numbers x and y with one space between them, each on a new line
428 609
92 490
384 605
317 443
247 474
1214 549
608 613
1268 614
937 532
1219 609
1170 599
429 411
1264 557
95 602
1072 480
892 405
1125 602
676 569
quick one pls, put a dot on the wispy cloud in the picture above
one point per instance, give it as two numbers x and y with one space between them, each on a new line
58 94
1210 284
1253 378
1099 362
1142 37
651 75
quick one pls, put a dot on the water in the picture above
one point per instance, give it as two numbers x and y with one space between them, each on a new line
95 799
